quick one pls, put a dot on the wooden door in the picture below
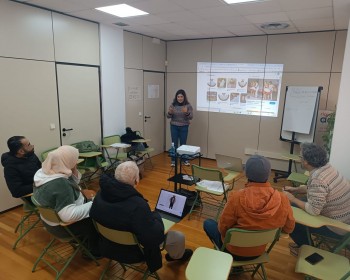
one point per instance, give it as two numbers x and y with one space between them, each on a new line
153 117
79 103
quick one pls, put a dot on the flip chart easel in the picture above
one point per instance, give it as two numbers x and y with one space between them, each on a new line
299 119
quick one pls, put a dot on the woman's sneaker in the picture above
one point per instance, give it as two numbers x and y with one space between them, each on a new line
187 163
172 164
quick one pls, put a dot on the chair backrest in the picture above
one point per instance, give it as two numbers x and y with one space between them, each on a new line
47 213
111 139
251 238
204 173
45 153
116 236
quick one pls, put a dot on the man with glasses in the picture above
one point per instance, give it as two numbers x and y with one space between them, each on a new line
20 165
327 194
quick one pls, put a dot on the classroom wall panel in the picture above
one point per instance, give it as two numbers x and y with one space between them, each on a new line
307 60
240 50
76 40
28 107
339 50
183 56
154 54
333 94
230 134
306 52
132 50
25 32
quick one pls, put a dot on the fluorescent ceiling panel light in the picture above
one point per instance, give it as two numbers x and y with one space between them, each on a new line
122 10
240 1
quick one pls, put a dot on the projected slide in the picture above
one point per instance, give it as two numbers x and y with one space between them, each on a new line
239 88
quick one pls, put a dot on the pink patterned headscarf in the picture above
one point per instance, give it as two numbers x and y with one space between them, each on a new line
61 161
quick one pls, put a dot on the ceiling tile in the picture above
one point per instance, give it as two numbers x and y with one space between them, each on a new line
262 18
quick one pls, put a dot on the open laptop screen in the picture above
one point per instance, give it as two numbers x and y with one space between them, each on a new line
171 203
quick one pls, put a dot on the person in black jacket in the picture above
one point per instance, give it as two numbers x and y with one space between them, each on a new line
20 165
118 205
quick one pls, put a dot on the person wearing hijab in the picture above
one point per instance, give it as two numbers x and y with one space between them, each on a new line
56 186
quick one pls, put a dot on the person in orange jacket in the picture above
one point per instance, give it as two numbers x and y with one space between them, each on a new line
257 206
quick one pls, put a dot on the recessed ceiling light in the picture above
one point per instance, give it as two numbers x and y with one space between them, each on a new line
122 10
241 1
274 26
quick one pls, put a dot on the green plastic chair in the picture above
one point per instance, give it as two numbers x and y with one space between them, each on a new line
45 153
60 251
208 264
124 238
333 266
213 200
298 178
29 220
251 238
121 154
146 153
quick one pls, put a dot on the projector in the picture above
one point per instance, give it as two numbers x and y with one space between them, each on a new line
188 150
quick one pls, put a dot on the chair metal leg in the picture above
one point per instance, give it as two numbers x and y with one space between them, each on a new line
193 205
22 234
42 254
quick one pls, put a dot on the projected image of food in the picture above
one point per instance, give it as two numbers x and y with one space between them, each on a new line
211 83
234 97
239 88
231 83
221 82
212 96
223 96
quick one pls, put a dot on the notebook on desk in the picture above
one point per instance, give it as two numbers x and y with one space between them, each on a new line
171 205
231 164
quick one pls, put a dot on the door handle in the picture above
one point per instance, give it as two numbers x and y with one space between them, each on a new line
147 117
64 131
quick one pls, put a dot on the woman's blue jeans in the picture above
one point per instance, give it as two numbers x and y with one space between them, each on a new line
178 134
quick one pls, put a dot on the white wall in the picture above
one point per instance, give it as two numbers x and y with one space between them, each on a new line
112 80
310 59
341 138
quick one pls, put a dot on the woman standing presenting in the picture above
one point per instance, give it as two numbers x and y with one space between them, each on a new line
180 112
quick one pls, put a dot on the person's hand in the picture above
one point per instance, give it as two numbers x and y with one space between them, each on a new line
75 171
290 196
89 194
290 189
184 109
171 110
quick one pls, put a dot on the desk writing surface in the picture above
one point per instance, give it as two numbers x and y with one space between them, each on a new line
80 160
304 218
141 140
116 145
293 157
90 154
167 224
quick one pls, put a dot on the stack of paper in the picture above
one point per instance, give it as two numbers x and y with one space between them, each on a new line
188 150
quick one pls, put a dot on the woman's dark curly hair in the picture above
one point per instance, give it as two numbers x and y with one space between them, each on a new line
315 155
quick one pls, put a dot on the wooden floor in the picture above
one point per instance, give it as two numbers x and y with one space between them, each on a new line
17 264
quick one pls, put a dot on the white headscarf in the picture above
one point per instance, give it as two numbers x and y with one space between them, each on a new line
61 161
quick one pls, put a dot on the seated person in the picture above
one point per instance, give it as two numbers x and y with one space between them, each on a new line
256 207
327 194
118 205
56 186
20 165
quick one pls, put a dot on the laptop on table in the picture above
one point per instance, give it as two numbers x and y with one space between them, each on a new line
171 205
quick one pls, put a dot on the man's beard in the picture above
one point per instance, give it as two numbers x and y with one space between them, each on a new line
29 154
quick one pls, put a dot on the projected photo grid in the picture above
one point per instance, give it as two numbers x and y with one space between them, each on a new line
251 89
